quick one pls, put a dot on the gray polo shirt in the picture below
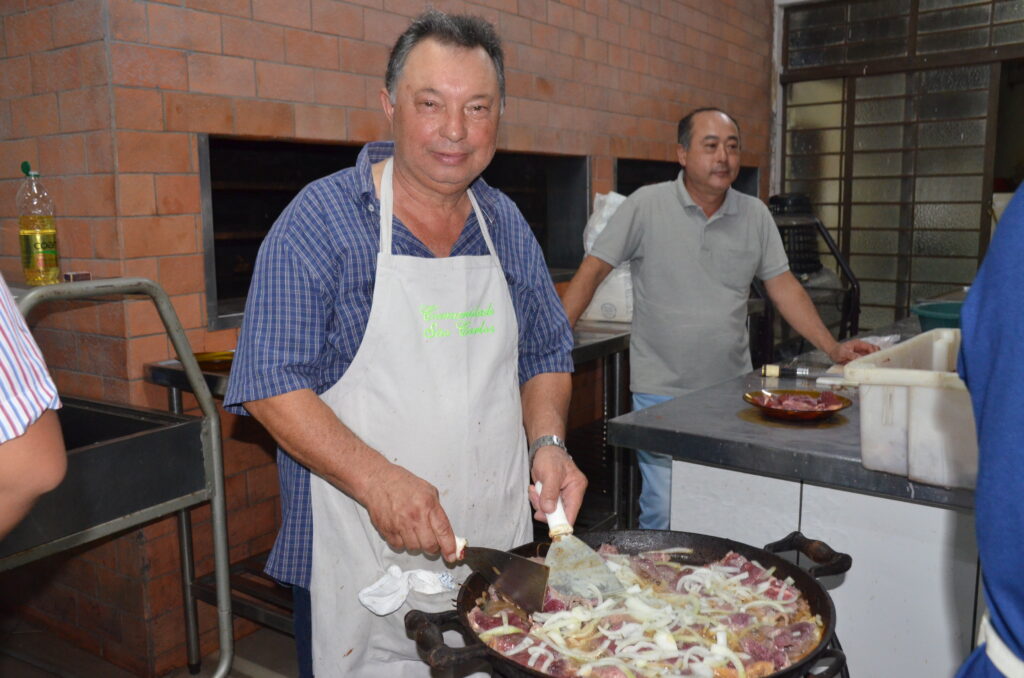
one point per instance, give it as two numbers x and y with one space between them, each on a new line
691 280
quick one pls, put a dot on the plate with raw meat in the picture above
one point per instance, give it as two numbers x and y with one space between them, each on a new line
798 405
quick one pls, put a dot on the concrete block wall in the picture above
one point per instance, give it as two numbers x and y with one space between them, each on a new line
106 98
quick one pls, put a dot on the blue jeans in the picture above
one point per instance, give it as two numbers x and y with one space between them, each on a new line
656 472
302 627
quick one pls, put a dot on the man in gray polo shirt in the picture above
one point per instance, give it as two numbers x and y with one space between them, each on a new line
694 245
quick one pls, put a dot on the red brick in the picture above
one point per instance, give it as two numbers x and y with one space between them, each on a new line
89 195
198 113
111 320
84 109
364 58
105 240
24 149
262 483
141 109
341 89
235 7
177 193
277 81
163 593
182 275
116 390
295 13
221 75
306 48
71 68
184 29
34 116
74 238
264 118
144 394
188 307
367 126
16 78
251 522
29 32
153 152
149 67
99 148
320 122
102 355
242 456
141 268
141 317
128 20
59 348
383 28
234 495
143 350
253 39
221 340
156 236
77 22
135 195
338 18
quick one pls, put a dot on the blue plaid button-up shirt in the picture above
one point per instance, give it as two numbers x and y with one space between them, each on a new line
310 299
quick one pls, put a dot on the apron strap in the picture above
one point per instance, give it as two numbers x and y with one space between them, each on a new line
387 212
1001 656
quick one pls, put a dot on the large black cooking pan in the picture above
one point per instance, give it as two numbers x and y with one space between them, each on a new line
426 628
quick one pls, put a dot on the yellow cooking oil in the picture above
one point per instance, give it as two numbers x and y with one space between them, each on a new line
37 234
37 230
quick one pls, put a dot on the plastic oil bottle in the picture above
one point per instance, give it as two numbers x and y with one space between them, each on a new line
37 231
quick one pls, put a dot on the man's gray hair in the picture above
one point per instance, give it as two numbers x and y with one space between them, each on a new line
685 132
459 30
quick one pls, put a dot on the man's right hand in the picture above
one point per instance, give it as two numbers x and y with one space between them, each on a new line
407 512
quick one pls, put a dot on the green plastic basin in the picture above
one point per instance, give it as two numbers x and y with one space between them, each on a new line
935 314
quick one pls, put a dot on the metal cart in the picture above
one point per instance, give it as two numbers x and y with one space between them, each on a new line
128 466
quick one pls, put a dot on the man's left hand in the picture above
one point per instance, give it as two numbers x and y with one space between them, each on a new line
847 351
558 475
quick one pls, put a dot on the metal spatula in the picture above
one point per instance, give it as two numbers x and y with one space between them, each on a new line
576 569
521 580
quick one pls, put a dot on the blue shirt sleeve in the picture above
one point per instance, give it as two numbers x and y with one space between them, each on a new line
284 326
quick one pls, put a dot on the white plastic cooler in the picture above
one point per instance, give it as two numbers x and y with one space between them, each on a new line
915 413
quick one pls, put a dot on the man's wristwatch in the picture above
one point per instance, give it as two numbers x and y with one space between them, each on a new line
544 441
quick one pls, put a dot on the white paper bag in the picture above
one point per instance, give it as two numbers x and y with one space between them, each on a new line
613 299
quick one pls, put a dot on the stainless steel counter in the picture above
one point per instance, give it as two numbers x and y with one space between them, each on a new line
715 426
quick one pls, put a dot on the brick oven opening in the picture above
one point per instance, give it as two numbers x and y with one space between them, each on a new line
246 183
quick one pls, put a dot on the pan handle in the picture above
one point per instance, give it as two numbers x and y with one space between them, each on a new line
837 665
829 561
426 628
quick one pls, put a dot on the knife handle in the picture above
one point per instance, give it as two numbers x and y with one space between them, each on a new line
558 524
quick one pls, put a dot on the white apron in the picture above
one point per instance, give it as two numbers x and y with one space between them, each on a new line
434 387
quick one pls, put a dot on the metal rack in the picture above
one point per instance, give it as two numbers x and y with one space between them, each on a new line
168 474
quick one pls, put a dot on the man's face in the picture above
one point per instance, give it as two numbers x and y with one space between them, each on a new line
713 159
445 117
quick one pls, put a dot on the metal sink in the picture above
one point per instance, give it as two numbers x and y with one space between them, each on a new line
124 464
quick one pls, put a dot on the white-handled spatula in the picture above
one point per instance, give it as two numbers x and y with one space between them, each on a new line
575 568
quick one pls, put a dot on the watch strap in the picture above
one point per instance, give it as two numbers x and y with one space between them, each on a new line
545 441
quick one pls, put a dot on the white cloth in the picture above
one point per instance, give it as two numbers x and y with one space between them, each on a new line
387 594
434 387
1001 656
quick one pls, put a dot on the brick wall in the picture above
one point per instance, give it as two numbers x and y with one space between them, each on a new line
105 98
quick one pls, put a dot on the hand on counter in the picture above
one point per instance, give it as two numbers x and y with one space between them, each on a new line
847 351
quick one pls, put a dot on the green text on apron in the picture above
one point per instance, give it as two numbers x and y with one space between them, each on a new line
434 388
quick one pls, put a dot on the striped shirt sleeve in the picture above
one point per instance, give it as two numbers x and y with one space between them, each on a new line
26 389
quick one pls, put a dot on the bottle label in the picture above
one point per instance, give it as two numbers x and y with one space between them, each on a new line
39 251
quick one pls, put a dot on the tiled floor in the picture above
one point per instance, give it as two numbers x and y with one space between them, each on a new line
27 652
